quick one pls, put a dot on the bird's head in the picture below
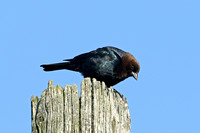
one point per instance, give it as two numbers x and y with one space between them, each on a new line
131 66
135 70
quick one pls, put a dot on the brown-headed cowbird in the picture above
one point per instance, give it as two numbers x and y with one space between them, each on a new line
108 64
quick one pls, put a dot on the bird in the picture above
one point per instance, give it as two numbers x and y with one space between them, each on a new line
109 64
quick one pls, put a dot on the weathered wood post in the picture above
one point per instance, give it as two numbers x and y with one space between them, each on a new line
98 110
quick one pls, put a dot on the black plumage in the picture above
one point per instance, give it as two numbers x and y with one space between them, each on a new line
108 64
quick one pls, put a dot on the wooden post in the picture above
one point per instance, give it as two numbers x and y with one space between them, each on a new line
98 110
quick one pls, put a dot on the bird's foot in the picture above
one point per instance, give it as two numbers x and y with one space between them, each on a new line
115 91
118 93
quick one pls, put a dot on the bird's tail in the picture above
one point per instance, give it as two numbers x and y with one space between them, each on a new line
57 66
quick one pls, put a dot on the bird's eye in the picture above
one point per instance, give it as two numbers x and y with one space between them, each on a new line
132 68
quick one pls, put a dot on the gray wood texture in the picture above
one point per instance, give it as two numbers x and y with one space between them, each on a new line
98 110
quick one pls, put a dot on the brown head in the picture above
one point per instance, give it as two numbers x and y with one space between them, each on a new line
131 66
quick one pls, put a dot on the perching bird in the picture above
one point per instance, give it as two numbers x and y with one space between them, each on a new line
108 64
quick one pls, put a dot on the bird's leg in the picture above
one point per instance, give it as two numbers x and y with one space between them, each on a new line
107 90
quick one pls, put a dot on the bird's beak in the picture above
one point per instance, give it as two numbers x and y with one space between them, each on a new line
135 75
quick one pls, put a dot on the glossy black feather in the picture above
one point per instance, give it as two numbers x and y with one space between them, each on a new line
104 64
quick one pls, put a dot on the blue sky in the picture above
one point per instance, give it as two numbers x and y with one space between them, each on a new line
164 36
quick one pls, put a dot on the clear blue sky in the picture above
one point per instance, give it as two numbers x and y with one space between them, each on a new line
164 36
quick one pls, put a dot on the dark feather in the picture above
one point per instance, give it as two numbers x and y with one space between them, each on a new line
108 64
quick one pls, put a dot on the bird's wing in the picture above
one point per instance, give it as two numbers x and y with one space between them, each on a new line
118 56
80 57
104 53
67 59
118 51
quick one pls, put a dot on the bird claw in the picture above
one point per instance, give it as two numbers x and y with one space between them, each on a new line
115 91
121 95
